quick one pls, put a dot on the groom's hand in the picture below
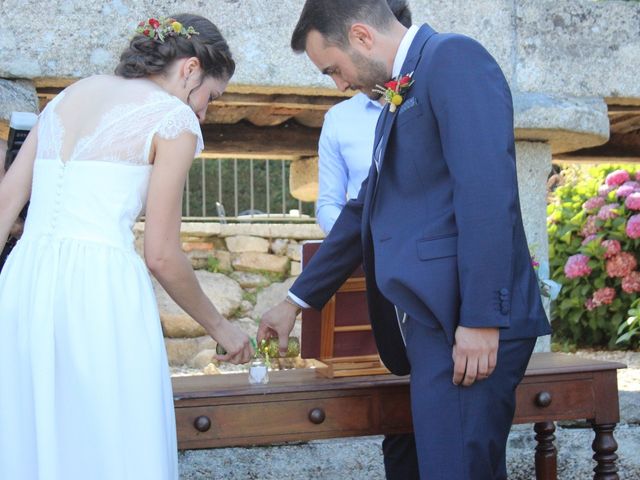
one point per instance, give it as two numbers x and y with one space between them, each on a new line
278 322
475 354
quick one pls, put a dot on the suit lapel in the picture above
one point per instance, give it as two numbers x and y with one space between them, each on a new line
388 119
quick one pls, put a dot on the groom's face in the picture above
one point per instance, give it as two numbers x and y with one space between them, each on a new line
348 68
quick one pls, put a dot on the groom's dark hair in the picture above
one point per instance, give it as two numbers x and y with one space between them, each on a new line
333 18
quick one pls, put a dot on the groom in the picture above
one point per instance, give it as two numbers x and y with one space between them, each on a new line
452 295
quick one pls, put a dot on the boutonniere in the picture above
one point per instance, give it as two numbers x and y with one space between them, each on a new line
393 90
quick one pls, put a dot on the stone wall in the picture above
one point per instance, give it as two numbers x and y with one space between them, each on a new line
244 269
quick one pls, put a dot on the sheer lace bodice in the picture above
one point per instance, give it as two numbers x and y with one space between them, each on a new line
92 170
117 126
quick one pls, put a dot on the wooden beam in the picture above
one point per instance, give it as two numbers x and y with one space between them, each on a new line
289 141
626 123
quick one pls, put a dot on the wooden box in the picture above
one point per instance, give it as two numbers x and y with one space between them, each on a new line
340 335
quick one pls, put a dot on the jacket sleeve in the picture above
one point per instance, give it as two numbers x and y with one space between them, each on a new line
472 103
336 259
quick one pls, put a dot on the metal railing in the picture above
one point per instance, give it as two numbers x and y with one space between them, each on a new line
224 190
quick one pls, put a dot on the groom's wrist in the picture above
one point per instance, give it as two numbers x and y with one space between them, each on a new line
293 303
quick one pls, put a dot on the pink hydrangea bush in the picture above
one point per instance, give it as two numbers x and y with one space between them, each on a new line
594 235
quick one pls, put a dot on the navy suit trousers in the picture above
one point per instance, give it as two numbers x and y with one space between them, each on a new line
461 432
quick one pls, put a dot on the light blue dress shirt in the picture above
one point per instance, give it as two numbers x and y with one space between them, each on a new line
345 154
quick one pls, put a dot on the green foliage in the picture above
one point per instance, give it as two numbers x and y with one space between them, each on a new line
629 331
602 323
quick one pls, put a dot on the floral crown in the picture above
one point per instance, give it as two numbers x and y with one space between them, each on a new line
165 27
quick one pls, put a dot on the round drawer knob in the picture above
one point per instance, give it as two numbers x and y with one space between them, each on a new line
543 399
317 416
202 423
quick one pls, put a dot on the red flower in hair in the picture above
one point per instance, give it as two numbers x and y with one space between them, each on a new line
154 23
145 33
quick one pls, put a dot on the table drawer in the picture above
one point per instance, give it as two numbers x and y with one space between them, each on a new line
557 400
264 421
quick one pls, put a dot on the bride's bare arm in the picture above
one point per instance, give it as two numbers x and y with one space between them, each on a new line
15 187
164 255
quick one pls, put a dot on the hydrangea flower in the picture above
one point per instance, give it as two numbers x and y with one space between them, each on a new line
612 248
589 227
608 212
621 264
577 266
604 296
617 177
625 190
632 202
631 283
593 204
603 190
633 226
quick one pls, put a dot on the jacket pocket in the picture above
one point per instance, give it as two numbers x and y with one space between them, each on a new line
430 249
410 113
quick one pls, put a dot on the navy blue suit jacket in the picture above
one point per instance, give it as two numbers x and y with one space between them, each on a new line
438 226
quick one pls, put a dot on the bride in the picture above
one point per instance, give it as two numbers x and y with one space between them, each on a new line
85 391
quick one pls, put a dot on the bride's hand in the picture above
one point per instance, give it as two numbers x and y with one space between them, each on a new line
235 342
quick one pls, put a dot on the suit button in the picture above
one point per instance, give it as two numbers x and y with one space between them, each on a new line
504 292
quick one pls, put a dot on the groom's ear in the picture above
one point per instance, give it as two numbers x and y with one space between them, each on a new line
361 36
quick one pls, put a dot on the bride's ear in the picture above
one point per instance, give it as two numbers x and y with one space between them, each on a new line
190 67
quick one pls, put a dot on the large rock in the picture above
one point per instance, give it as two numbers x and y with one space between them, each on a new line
180 351
271 296
250 261
222 260
294 252
578 48
574 48
245 243
250 279
296 269
224 292
567 124
279 246
248 326
202 359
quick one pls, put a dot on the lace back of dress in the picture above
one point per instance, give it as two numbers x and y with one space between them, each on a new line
102 122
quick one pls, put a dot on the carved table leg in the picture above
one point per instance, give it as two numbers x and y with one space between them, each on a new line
605 446
546 453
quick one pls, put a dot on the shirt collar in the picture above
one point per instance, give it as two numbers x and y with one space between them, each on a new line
403 50
367 102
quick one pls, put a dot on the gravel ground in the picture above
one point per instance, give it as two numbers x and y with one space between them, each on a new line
361 458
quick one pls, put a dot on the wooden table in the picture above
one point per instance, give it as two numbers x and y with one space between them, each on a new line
296 405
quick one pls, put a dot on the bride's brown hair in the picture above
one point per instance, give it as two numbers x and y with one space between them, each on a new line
147 56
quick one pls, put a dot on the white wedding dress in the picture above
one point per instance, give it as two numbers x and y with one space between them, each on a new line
85 392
